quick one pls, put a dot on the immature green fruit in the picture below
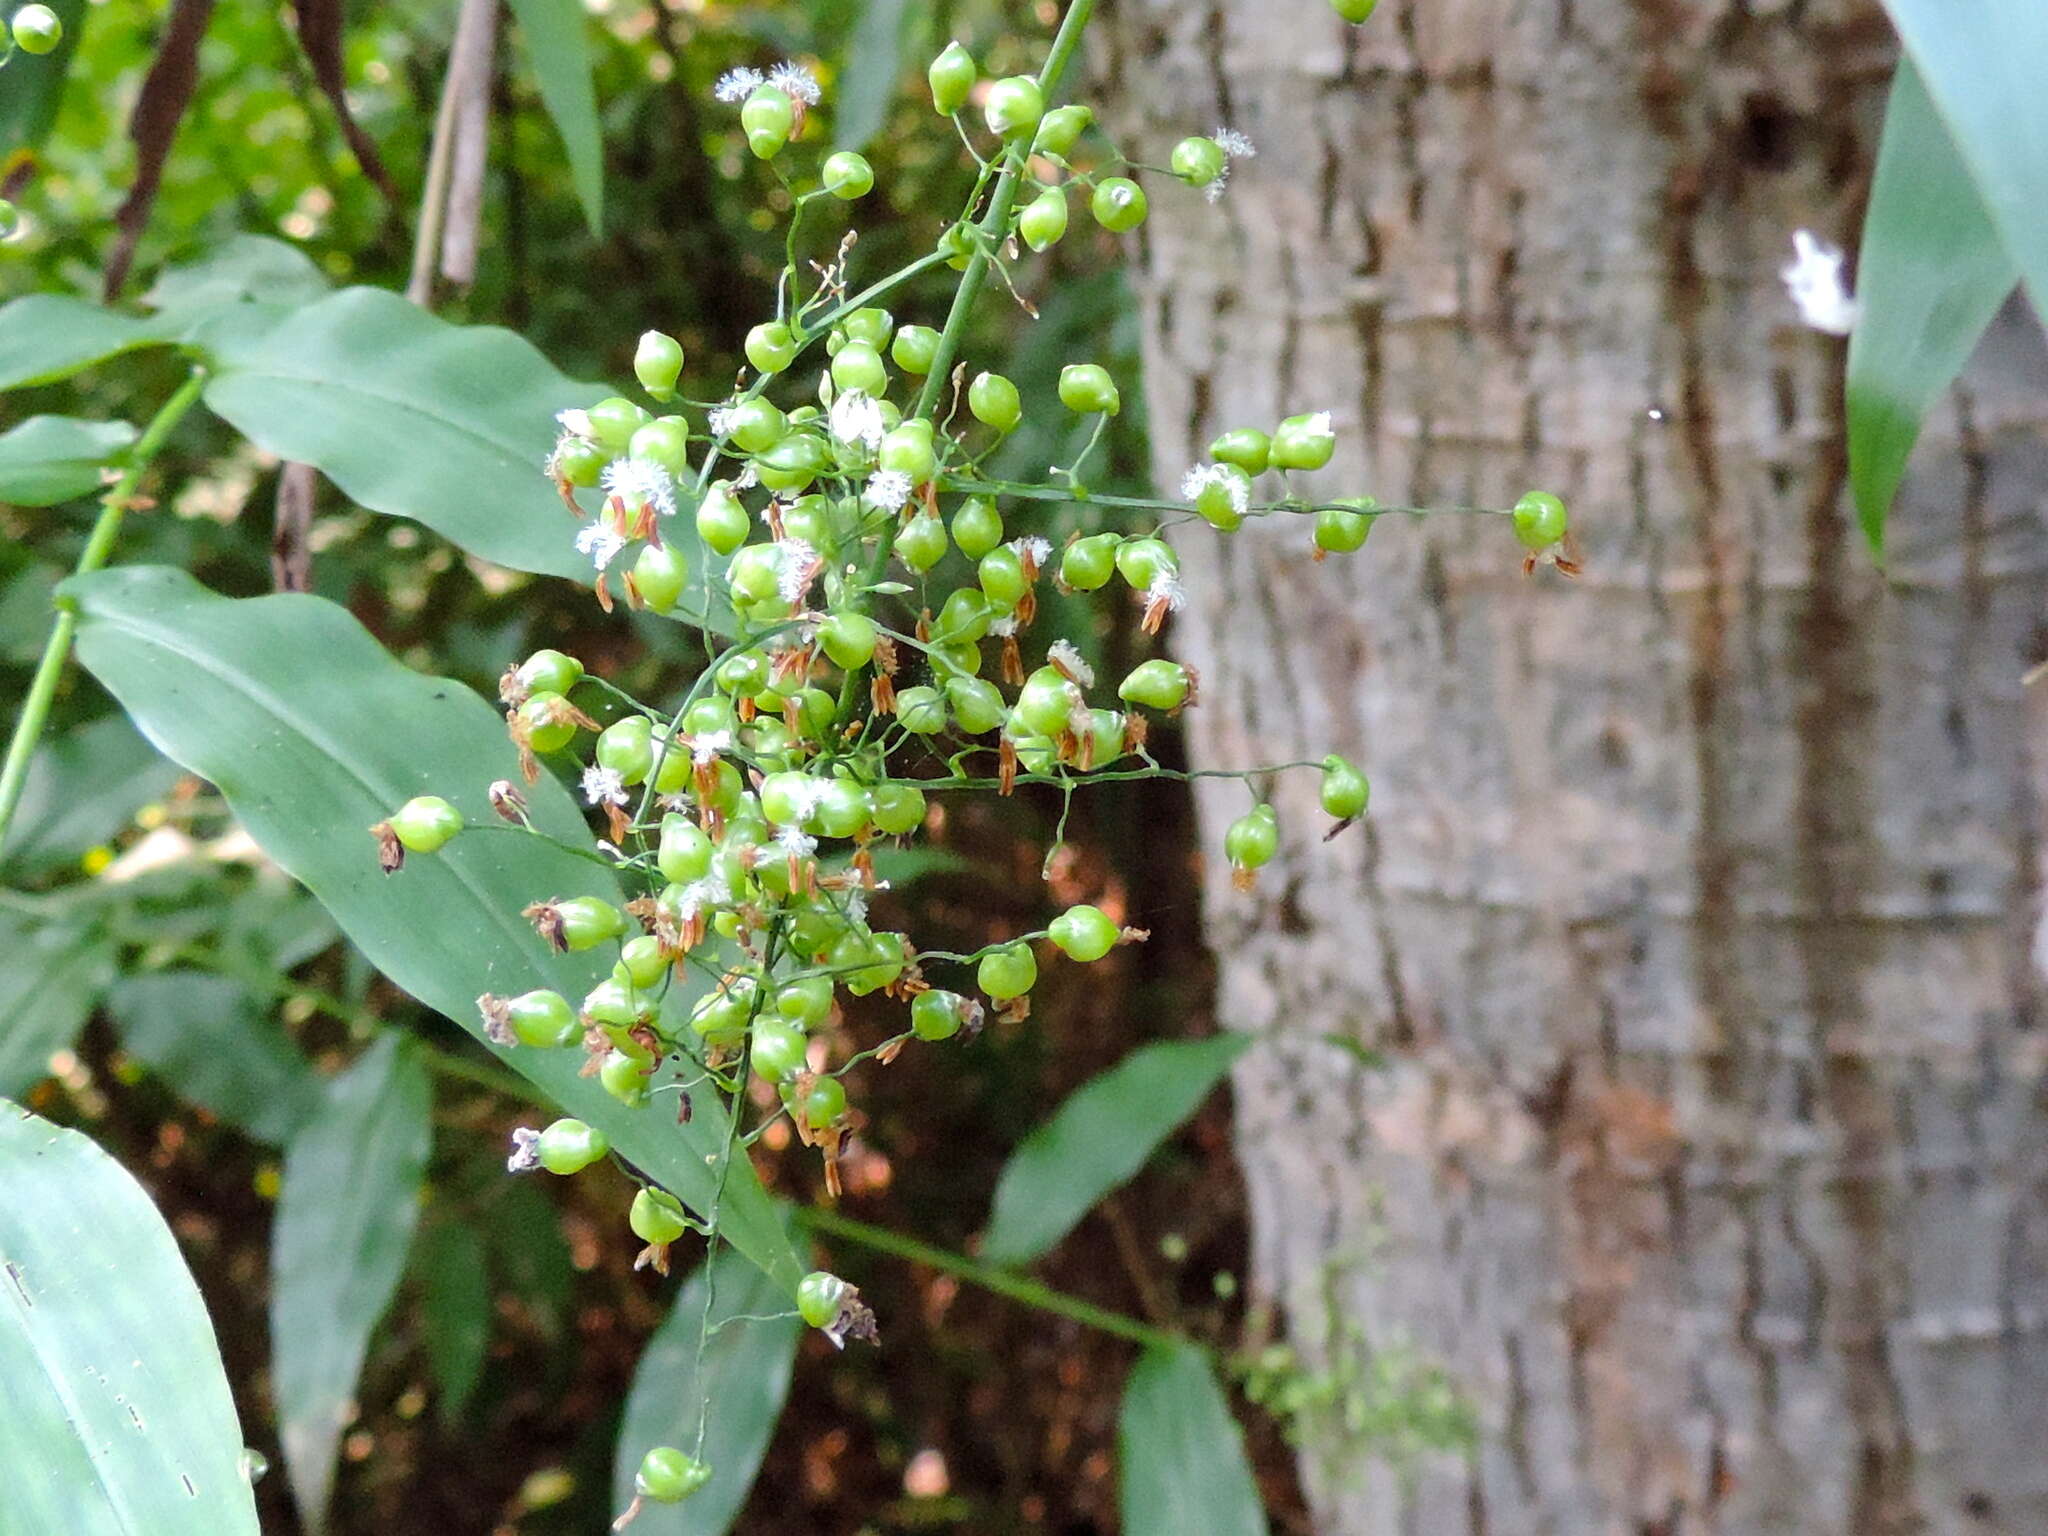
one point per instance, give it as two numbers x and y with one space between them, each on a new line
963 618
957 245
921 543
668 1476
1046 702
570 1146
1001 574
1105 737
951 76
575 460
1222 492
1540 520
870 323
1059 129
659 575
1252 839
818 1296
778 1049
771 346
1013 107
821 1105
847 175
1246 447
1156 684
937 1015
684 853
767 118
664 441
879 958
37 29
977 704
896 808
756 424
550 672
1044 219
658 363
1086 387
1118 204
848 638
1342 528
613 422
805 1001
627 748
842 809
540 719
1198 161
914 349
722 523
746 672
657 1216
994 401
1345 790
907 450
795 462
810 518
956 658
641 962
1354 11
1007 972
1144 561
587 921
921 711
859 366
543 1019
1087 564
424 824
1084 933
977 527
1304 442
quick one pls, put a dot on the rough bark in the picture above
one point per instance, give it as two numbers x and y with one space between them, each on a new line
1695 915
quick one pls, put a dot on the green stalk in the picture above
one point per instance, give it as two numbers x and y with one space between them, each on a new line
1001 1281
42 691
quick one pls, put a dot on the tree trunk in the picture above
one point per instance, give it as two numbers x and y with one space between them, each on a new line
1695 916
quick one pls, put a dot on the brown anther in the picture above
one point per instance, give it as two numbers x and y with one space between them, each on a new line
773 514
923 629
497 1017
855 1321
604 593
546 918
620 823
929 494
1133 935
1156 611
1194 690
1318 554
512 688
567 492
1006 773
1013 662
746 709
889 1051
596 1046
883 691
1243 879
507 801
864 866
1027 609
1136 729
390 851
633 598
529 765
655 1257
1016 1010
793 715
644 1036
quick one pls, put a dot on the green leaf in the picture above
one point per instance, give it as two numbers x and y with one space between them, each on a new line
1982 61
345 1217
1100 1137
52 459
530 1255
118 1416
874 63
242 268
1182 1458
51 974
32 90
214 1045
455 1310
444 424
82 788
313 734
1930 275
560 50
745 1378
48 336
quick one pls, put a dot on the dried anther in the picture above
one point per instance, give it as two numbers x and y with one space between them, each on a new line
497 1019
546 918
508 802
390 851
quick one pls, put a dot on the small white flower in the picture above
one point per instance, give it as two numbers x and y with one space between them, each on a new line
857 418
599 541
737 84
1033 548
575 423
603 786
706 745
1234 144
1214 191
1319 424
799 568
698 896
1003 627
1814 279
1063 655
795 82
857 905
640 483
796 842
525 1151
1201 476
1166 588
807 797
720 420
747 478
888 489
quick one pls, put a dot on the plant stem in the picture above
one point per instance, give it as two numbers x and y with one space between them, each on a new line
42 690
1031 1293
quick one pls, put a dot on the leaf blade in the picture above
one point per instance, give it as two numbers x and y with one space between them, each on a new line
51 459
210 1041
49 336
559 47
1183 1465
105 1342
51 974
1097 1139
455 1311
1930 274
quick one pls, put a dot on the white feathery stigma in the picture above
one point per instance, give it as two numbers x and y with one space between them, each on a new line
1201 476
796 82
796 842
706 745
603 786
888 489
720 420
1033 547
1166 588
737 84
1063 655
525 1151
798 569
1234 144
575 423
1814 279
857 418
640 483
599 541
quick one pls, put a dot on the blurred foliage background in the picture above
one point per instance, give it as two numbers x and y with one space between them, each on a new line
130 903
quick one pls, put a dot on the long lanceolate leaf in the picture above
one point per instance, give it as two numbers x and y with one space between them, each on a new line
166 91
345 1217
556 43
1930 274
1183 1462
313 733
115 1417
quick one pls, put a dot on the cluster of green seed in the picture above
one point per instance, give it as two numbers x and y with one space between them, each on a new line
881 607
